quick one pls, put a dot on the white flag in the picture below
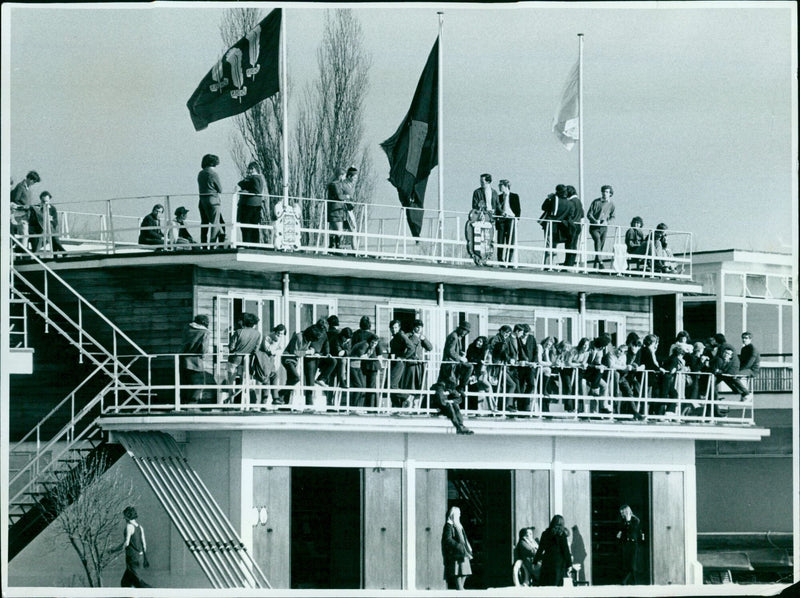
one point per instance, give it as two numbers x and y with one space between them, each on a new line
565 122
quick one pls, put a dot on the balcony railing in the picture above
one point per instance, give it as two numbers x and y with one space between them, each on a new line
556 393
376 231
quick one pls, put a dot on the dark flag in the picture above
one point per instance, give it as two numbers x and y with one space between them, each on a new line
412 150
245 75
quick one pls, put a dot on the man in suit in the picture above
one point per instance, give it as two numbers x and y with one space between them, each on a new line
555 209
629 535
572 225
454 359
484 197
505 212
401 349
527 354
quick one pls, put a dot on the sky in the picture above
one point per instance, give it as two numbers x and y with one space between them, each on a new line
689 108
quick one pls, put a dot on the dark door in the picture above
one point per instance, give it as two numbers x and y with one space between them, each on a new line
326 538
611 490
664 322
484 497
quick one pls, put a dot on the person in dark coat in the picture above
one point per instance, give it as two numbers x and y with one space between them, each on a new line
150 232
554 554
454 359
572 225
367 350
135 546
456 551
39 225
251 209
506 212
415 368
212 224
749 358
629 535
447 398
554 212
400 350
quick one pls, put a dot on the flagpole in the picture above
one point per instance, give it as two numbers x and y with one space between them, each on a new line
580 116
284 111
440 129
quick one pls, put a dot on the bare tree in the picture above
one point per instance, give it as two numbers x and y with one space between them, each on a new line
328 127
86 506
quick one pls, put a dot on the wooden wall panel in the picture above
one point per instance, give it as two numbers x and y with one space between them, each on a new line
272 494
431 507
577 512
531 500
669 546
383 530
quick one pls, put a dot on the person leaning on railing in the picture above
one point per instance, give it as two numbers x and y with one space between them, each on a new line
368 352
527 355
250 210
503 350
595 373
194 347
454 360
649 361
400 350
479 382
616 362
674 366
299 346
243 344
415 367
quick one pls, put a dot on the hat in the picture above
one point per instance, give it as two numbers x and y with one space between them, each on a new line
181 210
464 326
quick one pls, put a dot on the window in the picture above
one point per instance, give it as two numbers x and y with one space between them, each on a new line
612 325
304 311
734 285
560 325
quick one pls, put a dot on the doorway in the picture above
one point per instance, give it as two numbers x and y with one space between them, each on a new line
484 497
610 490
326 516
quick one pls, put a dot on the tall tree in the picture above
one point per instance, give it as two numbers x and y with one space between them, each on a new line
327 124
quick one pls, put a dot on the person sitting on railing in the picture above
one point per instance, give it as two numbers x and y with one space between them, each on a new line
454 360
648 359
749 358
503 350
726 369
573 225
368 351
415 367
595 373
527 349
299 346
674 366
212 224
505 212
178 235
251 210
555 209
150 232
400 350
635 242
600 214
480 382
243 344
47 231
546 361
446 398
194 347
616 362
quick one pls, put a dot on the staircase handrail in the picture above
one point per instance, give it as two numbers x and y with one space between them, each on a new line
63 401
98 344
80 297
58 438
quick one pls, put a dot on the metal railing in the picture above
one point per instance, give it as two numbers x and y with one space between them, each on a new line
378 231
370 386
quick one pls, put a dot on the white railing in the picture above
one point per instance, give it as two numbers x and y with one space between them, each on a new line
557 393
379 231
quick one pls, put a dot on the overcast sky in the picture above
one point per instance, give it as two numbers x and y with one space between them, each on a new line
688 107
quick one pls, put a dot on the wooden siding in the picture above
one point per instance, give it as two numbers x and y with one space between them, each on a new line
531 500
431 504
669 546
382 529
272 493
344 285
238 279
577 514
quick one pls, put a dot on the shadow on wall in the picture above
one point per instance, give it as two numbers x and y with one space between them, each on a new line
578 552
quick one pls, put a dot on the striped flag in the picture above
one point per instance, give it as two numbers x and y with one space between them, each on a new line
566 120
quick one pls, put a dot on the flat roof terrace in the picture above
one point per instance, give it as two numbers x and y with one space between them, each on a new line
455 249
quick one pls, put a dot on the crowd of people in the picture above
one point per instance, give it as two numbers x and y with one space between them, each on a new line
562 218
506 373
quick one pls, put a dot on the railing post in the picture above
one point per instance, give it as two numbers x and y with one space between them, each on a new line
234 225
110 234
366 229
177 379
167 219
46 304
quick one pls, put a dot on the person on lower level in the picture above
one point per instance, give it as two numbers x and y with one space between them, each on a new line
628 535
135 545
554 554
456 551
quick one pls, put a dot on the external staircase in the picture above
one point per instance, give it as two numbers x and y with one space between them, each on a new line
43 458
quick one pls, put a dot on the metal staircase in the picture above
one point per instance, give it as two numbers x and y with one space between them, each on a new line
38 460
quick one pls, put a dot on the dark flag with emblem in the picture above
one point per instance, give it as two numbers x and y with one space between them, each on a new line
245 75
412 150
